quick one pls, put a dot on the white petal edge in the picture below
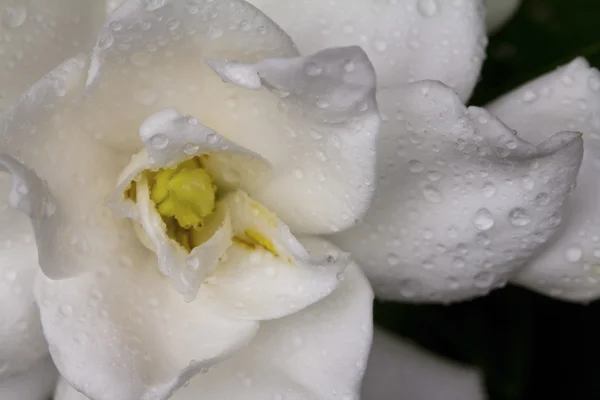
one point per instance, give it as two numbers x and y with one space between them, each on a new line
36 383
462 203
407 40
318 353
124 333
567 98
401 370
43 132
498 12
40 34
22 342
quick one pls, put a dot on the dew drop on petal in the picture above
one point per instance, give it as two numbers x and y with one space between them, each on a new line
483 280
488 189
484 219
14 16
427 8
393 259
573 254
518 217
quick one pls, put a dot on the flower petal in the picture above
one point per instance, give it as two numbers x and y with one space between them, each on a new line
152 54
36 383
319 134
568 98
268 274
498 12
123 333
400 370
22 342
40 34
406 40
41 131
461 202
318 353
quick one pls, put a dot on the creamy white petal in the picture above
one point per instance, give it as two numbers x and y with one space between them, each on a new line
318 353
43 131
21 340
565 99
37 35
401 370
36 383
123 333
461 203
150 56
268 274
407 40
498 12
318 129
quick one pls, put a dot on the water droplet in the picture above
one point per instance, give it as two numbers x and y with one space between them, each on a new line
488 189
518 217
415 166
105 40
152 5
484 219
483 280
427 8
66 310
349 66
312 69
192 263
379 45
542 199
159 141
459 262
573 254
15 16
529 96
393 259
432 194
409 288
594 83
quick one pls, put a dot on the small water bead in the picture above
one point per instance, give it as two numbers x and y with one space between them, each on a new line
159 142
415 166
14 16
483 219
393 259
488 190
529 96
542 199
573 254
312 69
483 280
380 45
432 194
192 263
518 217
409 288
427 8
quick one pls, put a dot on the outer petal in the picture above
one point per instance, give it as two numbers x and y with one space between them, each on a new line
399 370
123 333
317 129
461 201
407 40
568 98
21 340
319 353
36 383
42 131
498 12
37 35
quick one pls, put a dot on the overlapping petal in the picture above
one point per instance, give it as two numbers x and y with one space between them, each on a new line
313 118
21 338
565 99
461 202
399 370
37 35
35 383
76 174
318 353
124 333
407 40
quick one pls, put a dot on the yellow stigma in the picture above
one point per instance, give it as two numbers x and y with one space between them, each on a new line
185 193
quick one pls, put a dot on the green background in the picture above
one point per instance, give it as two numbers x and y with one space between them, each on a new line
529 346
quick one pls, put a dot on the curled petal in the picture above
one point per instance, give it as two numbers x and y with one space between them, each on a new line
268 274
123 333
406 40
35 383
40 34
569 99
317 127
498 12
462 202
399 370
65 171
314 354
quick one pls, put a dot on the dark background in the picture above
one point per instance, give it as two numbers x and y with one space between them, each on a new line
529 346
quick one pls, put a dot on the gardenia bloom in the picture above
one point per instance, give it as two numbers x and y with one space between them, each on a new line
286 144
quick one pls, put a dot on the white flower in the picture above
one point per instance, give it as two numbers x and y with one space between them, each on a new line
463 204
